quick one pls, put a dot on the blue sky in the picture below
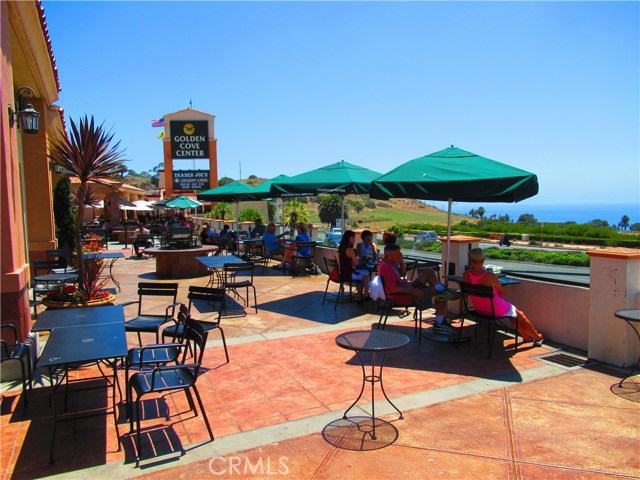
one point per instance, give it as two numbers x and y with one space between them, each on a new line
552 88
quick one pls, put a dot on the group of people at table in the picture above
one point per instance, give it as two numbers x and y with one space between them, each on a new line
356 262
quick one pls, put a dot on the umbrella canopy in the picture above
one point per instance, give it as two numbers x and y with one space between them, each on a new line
183 202
454 174
262 191
458 175
341 177
231 192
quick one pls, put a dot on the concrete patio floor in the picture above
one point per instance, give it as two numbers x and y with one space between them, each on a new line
276 407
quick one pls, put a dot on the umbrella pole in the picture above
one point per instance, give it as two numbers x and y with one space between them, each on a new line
344 227
446 263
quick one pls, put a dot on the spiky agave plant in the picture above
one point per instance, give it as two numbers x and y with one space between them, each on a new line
87 153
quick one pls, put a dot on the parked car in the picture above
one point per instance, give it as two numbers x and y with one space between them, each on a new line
334 236
426 236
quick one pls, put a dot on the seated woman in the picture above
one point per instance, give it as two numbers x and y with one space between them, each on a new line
477 275
289 250
367 250
419 292
348 265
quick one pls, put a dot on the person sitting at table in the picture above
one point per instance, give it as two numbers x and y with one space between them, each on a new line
258 230
477 275
226 238
143 242
420 292
274 244
367 251
349 263
106 226
289 250
207 235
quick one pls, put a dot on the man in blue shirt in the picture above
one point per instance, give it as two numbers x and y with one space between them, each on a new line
258 230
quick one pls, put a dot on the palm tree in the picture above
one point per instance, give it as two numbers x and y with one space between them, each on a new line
330 208
222 209
295 212
624 222
87 153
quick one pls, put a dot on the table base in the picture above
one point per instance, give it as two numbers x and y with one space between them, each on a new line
373 378
354 433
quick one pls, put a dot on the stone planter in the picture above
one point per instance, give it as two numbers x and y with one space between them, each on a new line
58 305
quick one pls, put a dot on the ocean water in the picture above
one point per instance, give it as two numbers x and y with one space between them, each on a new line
579 213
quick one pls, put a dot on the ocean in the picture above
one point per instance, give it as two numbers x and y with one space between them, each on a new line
579 213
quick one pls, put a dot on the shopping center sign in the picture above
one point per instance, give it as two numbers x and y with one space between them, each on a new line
190 179
189 139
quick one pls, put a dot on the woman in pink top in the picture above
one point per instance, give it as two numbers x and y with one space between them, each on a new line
479 276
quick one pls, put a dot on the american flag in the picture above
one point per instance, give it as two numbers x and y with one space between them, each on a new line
158 123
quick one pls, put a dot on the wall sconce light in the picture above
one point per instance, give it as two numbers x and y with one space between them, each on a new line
28 117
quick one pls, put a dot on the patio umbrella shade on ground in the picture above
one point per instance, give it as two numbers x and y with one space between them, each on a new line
452 175
343 178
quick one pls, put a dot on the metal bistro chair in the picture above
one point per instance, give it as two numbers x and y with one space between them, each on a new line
493 322
45 267
165 378
17 351
61 254
332 264
151 322
308 261
145 358
232 282
215 296
389 304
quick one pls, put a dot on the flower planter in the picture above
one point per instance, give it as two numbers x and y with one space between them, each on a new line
57 304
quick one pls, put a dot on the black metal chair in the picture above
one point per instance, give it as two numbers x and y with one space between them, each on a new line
152 322
240 275
389 304
332 264
61 254
215 296
165 378
145 358
40 289
17 352
307 262
493 322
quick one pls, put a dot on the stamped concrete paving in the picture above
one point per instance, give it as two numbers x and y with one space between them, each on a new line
515 415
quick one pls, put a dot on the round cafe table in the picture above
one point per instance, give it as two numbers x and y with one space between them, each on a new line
376 342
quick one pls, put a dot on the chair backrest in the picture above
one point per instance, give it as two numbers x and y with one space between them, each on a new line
304 247
482 291
59 253
157 289
411 268
43 267
195 335
207 294
231 270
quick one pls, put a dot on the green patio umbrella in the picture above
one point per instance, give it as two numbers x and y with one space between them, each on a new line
182 202
231 192
343 178
263 191
452 175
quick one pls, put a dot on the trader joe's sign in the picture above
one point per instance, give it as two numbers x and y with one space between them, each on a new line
190 179
189 139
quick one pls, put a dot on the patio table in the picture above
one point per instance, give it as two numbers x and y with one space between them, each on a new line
79 336
375 342
632 317
112 256
215 264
